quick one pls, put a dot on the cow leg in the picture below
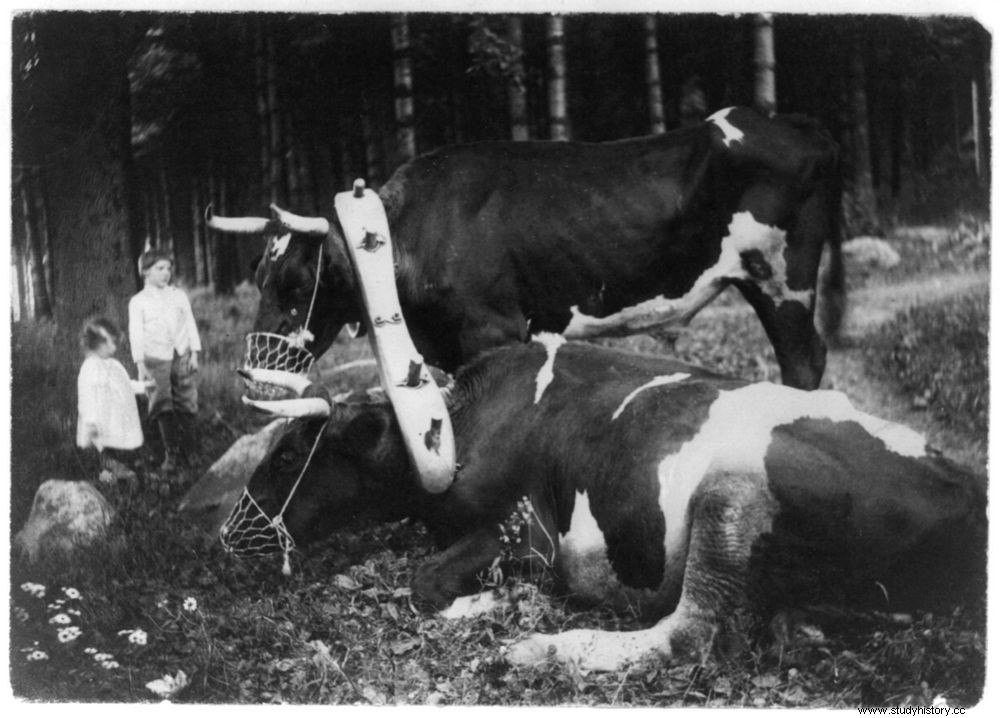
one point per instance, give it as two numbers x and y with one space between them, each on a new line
728 513
457 572
800 351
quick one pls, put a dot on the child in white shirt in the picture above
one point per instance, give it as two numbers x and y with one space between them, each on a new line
165 347
108 417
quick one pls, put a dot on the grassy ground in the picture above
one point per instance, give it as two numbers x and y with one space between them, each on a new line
344 627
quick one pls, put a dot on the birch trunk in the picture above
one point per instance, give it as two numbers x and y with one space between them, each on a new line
654 88
558 121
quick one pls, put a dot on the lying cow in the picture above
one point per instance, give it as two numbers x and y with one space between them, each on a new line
653 485
498 241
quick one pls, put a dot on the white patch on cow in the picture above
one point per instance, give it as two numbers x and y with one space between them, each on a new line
279 245
730 132
737 433
583 536
583 556
747 234
656 381
546 374
471 606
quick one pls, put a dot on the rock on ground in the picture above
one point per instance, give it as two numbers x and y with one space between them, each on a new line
65 516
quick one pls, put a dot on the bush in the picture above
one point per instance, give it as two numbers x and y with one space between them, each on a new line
939 355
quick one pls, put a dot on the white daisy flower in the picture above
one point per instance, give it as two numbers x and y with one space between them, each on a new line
168 686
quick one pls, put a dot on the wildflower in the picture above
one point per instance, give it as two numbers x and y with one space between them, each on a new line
37 655
110 665
72 593
60 619
21 615
55 605
71 633
161 604
102 657
35 589
90 650
73 612
190 604
168 686
136 636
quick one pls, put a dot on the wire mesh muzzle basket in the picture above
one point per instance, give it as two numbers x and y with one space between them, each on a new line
249 531
273 351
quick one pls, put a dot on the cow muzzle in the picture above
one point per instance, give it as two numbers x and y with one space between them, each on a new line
275 373
249 531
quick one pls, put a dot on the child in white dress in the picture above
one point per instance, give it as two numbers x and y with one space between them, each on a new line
108 415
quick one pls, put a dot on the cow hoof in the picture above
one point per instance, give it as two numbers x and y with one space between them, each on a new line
531 651
588 650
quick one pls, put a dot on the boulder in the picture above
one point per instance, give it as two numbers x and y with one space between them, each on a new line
65 516
871 252
219 488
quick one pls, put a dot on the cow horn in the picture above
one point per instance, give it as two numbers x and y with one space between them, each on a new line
292 408
236 225
285 379
317 404
297 223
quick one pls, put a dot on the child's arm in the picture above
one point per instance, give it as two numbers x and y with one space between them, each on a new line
191 326
135 336
141 386
88 403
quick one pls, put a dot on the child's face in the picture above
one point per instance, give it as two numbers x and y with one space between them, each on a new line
107 348
158 274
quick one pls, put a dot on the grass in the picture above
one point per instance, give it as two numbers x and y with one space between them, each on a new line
345 628
939 356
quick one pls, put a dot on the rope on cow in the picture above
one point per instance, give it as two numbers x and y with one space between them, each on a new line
249 531
312 302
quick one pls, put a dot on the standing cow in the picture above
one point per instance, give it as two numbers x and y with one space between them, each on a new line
498 241
652 485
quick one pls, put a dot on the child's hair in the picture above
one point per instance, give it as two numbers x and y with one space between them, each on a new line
151 256
96 332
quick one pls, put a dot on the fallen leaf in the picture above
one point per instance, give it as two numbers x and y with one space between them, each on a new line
345 582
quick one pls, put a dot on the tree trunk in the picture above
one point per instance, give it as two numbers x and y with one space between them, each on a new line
764 98
41 203
267 187
41 305
558 121
275 148
38 294
198 231
80 127
225 249
373 154
862 211
18 243
517 97
654 88
402 68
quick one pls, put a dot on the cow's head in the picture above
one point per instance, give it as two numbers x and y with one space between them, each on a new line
304 276
326 472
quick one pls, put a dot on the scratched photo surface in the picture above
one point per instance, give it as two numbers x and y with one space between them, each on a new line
500 356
